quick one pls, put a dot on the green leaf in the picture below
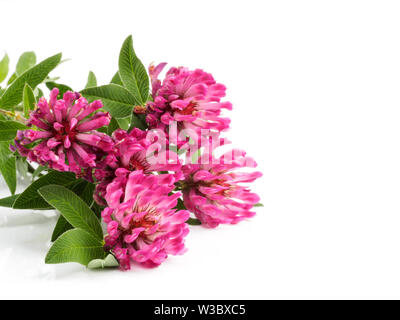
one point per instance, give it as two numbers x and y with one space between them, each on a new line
180 205
8 201
124 122
117 79
75 246
116 99
112 126
137 122
193 222
32 77
91 81
97 209
51 79
108 262
85 190
9 128
4 66
9 172
73 209
175 149
102 130
61 227
28 100
22 167
61 87
7 166
258 205
38 93
132 72
38 171
82 188
196 156
26 61
12 78
30 199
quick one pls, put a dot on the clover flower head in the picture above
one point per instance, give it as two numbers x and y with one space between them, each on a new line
142 224
67 139
213 189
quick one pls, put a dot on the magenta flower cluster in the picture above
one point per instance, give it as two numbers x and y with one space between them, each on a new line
141 197
67 139
191 98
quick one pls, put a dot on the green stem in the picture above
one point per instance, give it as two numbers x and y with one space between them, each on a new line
17 116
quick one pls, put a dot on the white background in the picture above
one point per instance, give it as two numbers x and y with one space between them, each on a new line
315 88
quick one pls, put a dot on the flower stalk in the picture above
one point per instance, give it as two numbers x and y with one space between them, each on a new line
15 115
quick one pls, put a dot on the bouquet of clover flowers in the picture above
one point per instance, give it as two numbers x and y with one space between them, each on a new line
136 158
